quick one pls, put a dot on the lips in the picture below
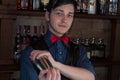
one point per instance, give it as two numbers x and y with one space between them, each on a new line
64 26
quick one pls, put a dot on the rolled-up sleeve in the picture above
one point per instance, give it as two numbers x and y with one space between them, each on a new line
27 71
83 61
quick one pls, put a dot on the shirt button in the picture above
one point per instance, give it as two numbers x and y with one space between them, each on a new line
60 52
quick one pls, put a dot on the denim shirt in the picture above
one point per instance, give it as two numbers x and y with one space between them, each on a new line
58 51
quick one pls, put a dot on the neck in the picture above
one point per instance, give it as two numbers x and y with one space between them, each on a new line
56 33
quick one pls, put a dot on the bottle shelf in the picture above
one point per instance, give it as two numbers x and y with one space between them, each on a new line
77 15
97 16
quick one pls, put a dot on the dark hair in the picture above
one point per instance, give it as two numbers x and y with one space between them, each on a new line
55 3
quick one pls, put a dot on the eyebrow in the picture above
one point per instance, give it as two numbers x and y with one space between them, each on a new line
63 11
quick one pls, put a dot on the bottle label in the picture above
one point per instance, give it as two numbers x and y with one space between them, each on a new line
24 4
88 55
92 7
45 2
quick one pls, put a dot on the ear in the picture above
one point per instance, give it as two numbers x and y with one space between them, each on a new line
47 16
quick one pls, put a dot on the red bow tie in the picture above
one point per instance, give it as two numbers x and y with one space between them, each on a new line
55 38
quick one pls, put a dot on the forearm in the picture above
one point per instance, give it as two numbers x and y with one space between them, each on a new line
74 73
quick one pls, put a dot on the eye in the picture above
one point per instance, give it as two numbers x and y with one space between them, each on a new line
59 13
70 15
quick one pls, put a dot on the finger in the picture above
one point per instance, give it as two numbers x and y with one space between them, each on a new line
58 75
42 74
54 75
49 75
43 53
34 54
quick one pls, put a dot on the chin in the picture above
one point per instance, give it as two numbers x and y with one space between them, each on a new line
63 31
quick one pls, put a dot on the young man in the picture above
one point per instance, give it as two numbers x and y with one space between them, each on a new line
69 62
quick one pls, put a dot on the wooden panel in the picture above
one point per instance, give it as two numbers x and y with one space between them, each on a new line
7 37
115 72
116 55
0 29
5 76
9 2
101 73
7 6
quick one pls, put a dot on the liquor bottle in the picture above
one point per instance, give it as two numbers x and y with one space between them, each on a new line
43 28
113 7
28 34
92 7
77 41
44 4
25 38
34 37
18 4
82 41
78 5
84 6
100 53
87 45
18 45
24 4
30 4
93 48
36 5
101 6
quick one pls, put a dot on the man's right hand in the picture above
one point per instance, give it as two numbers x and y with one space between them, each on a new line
49 74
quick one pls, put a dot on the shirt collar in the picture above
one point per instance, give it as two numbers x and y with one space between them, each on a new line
47 38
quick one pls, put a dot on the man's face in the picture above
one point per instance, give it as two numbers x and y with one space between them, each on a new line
61 19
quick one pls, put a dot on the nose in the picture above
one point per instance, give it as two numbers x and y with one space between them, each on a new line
64 19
